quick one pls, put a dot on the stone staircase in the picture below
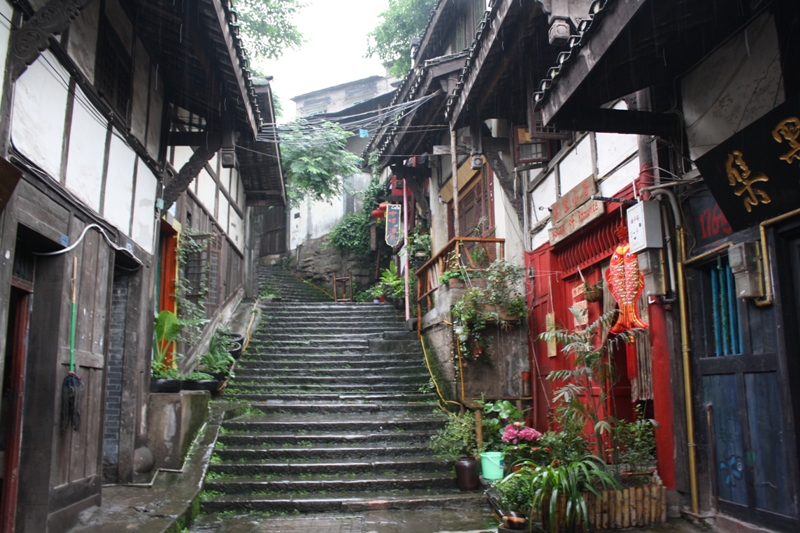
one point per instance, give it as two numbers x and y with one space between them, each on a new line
336 420
287 286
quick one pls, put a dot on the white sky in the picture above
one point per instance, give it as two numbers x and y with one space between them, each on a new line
336 41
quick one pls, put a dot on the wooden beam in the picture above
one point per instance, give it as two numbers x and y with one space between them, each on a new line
189 171
575 73
665 125
486 46
33 37
194 138
237 69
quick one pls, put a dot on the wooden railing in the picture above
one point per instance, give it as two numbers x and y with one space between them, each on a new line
467 254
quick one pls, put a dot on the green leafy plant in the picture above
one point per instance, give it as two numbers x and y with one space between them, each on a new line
549 483
199 376
591 370
392 286
635 442
497 303
457 438
391 39
217 359
496 416
315 159
419 244
166 331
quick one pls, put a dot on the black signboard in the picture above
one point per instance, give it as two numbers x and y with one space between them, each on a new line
755 174
393 233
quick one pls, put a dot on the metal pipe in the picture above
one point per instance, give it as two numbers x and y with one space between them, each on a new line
684 329
768 296
405 238
687 383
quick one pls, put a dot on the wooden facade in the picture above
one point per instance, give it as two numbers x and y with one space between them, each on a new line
92 118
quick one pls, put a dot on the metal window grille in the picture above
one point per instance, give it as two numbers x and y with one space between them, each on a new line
725 312
113 70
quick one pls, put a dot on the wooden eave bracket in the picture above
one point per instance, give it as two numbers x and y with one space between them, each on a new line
189 171
33 37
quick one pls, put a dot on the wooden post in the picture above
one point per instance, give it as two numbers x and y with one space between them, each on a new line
454 178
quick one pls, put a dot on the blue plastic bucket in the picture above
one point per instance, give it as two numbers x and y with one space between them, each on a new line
492 465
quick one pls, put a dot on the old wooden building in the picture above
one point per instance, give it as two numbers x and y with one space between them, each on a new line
125 126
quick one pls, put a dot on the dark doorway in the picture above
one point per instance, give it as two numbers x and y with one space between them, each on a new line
19 310
273 230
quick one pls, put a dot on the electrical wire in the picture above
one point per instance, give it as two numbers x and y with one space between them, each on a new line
99 228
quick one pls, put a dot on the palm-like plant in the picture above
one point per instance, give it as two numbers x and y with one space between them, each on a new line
547 484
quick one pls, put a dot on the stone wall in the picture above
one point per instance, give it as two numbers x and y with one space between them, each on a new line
500 379
315 260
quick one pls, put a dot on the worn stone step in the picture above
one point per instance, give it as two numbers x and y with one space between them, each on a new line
329 364
254 386
257 353
340 407
353 424
346 502
320 453
327 370
325 439
335 483
356 381
386 466
284 396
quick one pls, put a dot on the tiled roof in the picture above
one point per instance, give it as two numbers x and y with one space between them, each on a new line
586 27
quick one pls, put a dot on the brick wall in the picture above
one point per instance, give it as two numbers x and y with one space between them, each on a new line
116 350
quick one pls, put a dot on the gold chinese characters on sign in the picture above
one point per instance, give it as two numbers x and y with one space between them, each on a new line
745 181
739 176
788 130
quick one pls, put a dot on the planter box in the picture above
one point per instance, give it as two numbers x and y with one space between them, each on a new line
628 507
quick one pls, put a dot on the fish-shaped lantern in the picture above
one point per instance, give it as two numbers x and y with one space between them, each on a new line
626 283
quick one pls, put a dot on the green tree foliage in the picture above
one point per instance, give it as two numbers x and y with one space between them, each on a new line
391 39
315 159
267 26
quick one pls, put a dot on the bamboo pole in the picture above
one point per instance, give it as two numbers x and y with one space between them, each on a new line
626 507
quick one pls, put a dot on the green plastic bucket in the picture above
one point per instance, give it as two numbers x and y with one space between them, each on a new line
492 465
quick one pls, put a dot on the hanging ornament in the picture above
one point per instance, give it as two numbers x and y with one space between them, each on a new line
626 283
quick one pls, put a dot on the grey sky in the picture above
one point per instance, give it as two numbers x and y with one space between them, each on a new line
336 41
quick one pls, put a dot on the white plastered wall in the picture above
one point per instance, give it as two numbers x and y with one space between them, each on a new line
144 207
119 185
37 116
87 142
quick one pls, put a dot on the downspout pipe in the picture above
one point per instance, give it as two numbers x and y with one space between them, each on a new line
684 329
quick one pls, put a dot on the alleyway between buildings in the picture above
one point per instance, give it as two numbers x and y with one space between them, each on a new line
323 430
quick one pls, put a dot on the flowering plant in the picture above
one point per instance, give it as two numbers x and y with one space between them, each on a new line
520 444
517 431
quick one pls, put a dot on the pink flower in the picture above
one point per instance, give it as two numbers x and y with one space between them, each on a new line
529 434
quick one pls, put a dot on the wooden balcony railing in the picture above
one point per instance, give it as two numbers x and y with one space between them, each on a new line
467 254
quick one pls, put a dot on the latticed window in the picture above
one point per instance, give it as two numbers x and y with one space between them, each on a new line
113 69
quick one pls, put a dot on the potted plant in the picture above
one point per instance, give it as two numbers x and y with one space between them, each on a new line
200 381
164 374
393 287
457 441
558 491
217 361
499 303
593 293
419 244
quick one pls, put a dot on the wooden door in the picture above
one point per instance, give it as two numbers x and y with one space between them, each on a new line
739 382
11 418
273 231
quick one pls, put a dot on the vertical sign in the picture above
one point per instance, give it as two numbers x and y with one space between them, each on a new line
550 324
393 218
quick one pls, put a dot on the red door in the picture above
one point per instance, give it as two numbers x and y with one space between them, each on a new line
11 416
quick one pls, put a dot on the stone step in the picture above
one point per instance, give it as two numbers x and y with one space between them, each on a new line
283 396
256 352
386 466
319 453
320 369
337 483
340 407
346 502
325 439
252 365
354 381
254 386
387 423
